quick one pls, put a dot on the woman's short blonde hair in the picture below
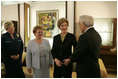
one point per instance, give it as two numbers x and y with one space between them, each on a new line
8 24
36 28
61 20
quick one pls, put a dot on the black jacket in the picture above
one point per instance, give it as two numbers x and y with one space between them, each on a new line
11 46
62 50
87 52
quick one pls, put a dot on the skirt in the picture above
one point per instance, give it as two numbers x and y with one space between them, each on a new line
43 72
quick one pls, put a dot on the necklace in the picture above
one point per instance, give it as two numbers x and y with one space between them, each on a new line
63 34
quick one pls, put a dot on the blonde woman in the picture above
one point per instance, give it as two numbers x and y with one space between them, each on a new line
11 51
38 56
62 50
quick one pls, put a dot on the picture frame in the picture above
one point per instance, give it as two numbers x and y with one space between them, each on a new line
47 19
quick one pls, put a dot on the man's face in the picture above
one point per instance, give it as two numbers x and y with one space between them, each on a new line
82 27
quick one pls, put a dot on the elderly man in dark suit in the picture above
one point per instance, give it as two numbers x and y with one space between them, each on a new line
87 51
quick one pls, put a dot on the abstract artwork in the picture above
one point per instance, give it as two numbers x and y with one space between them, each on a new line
47 19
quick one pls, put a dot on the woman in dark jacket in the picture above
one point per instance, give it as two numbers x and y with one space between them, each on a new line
11 50
62 50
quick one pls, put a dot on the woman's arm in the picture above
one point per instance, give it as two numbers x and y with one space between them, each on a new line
54 54
2 49
74 41
50 55
28 56
19 55
53 51
4 53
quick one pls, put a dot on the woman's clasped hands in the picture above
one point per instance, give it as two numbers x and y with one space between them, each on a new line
59 63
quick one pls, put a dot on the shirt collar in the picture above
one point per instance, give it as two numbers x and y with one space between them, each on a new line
88 28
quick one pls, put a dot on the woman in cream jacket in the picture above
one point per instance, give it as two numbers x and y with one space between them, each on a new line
38 56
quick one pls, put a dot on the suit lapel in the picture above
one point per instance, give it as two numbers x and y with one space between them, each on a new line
60 38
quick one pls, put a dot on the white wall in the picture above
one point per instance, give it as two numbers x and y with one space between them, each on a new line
70 16
22 27
9 12
97 9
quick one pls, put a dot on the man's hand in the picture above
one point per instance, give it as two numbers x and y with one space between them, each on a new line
15 56
58 62
66 61
12 57
29 70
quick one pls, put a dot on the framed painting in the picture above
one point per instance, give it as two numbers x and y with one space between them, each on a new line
47 19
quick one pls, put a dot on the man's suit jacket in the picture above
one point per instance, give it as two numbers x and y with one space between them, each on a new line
87 52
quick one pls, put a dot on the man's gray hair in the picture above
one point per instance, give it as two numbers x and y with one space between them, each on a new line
87 20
